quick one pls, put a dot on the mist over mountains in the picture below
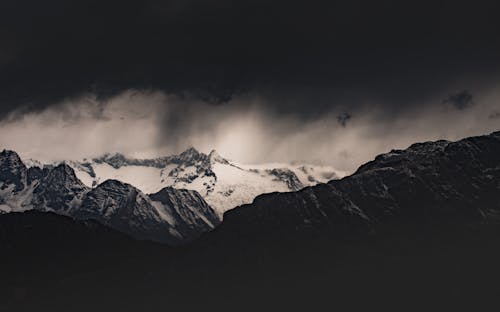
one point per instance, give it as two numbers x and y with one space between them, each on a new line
151 124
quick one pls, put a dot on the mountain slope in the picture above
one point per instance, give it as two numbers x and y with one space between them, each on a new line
222 183
432 182
169 216
191 213
175 217
58 190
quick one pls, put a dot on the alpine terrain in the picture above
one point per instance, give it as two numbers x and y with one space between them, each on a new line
169 215
223 184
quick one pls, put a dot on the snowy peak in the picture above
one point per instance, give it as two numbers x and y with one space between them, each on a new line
63 174
190 156
114 189
317 175
224 184
216 158
121 206
57 189
115 160
287 176
12 170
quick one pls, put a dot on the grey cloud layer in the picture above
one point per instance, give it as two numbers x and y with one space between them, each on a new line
145 124
461 100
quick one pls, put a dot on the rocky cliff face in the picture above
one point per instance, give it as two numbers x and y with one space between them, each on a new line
12 171
58 190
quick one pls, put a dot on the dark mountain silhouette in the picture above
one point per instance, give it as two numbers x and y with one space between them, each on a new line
429 183
412 230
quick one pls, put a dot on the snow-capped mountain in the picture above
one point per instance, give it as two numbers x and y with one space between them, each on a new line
188 193
224 184
170 215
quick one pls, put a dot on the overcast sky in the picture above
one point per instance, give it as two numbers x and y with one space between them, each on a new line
332 82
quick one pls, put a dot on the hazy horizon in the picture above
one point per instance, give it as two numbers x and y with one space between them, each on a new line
146 124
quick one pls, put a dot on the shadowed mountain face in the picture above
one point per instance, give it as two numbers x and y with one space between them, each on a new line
58 190
432 182
169 216
12 170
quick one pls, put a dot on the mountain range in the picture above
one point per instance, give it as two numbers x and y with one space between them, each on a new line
412 229
187 193
169 215
428 184
438 181
224 184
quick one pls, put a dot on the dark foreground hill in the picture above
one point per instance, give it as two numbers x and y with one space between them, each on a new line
52 263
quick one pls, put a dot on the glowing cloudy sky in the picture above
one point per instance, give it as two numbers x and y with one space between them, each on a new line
260 81
145 124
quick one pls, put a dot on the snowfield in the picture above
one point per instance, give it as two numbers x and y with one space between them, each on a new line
224 184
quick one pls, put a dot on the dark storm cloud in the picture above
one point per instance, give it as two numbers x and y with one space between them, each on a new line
305 57
343 118
461 100
494 115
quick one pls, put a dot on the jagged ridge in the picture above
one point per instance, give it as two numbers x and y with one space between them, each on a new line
222 183
116 204
430 182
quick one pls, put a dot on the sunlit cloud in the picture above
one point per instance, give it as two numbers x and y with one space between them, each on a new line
149 124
